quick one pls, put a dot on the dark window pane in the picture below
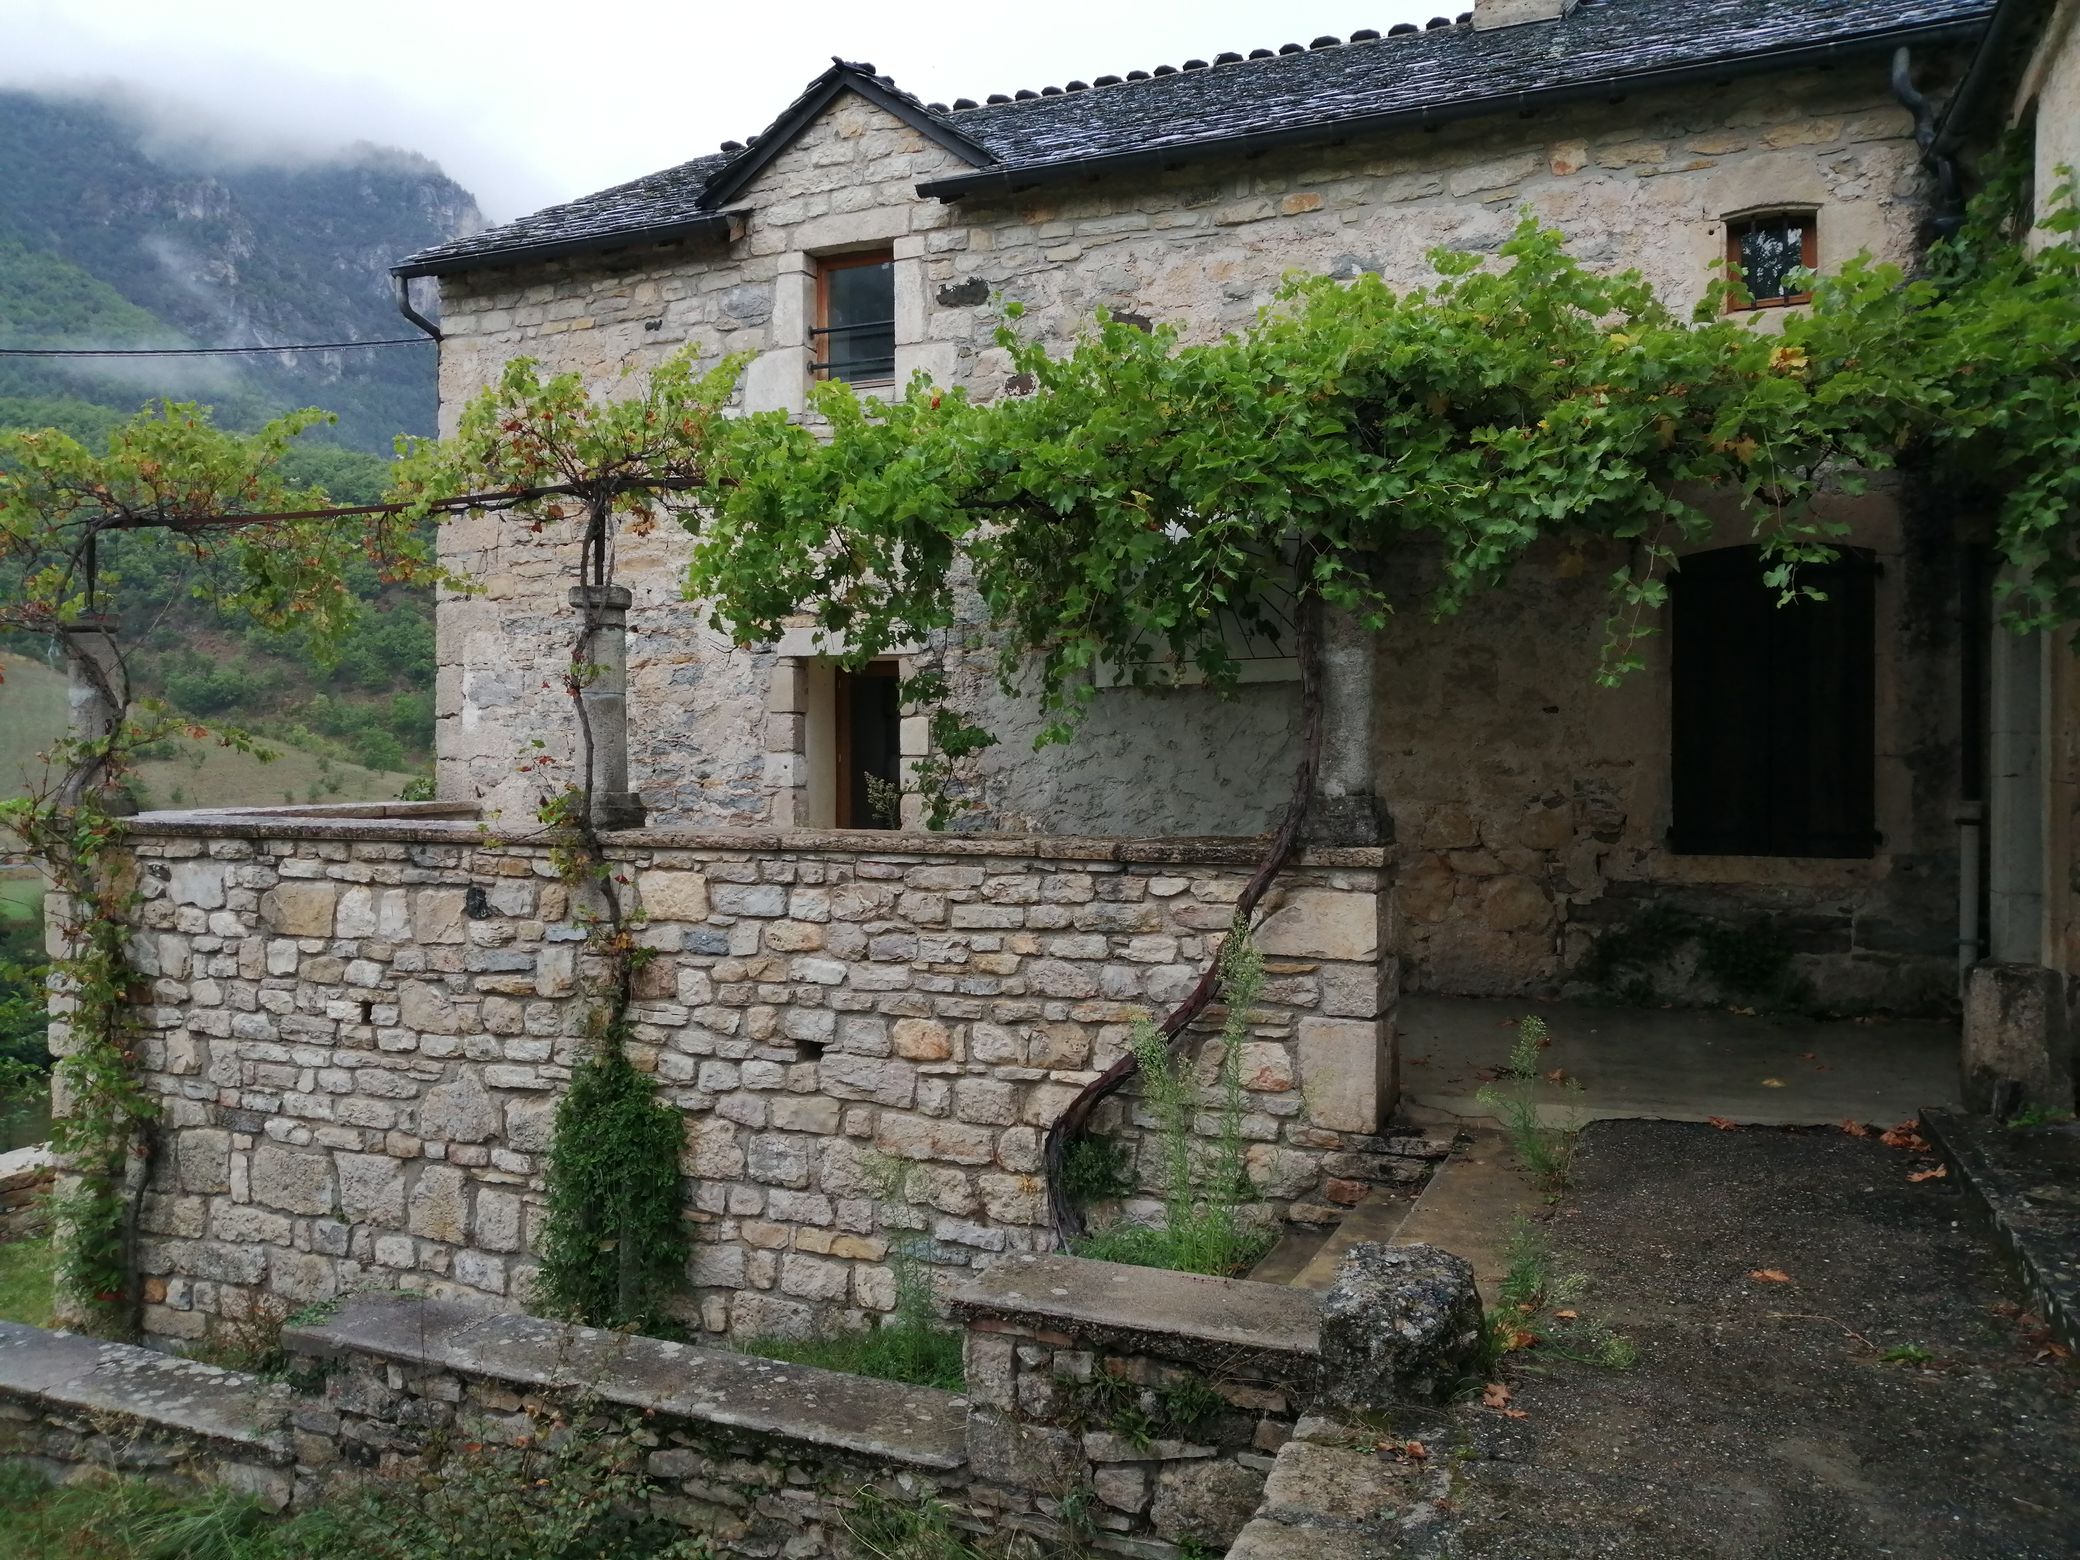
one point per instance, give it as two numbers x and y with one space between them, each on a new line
1770 252
859 340
1773 734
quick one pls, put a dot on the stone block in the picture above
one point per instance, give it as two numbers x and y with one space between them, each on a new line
1344 1073
294 909
202 1156
2018 1045
294 1181
1206 1503
371 1189
1029 1457
458 1111
1317 923
674 895
437 1204
1399 1324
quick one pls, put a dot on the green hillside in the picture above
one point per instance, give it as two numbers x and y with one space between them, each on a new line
112 237
189 774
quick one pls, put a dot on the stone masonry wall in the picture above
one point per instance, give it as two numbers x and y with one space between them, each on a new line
358 1032
1644 182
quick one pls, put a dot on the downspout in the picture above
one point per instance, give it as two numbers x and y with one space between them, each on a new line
403 288
1949 215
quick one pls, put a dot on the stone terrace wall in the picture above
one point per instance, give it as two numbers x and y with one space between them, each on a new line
359 1031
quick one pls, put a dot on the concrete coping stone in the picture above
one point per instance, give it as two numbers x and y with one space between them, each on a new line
21 1166
435 823
920 1426
161 1391
1171 1315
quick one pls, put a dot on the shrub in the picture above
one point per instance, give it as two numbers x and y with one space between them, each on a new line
1205 1187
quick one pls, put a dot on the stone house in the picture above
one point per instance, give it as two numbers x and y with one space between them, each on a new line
361 1019
1533 813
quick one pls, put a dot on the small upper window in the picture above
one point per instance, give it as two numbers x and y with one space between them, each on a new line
1764 252
855 333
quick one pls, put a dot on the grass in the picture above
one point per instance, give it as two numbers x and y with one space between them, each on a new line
921 1355
27 1278
568 1496
202 775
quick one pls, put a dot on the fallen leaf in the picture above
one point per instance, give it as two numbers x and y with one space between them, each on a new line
1770 1276
1933 1173
1495 1394
1809 1056
1557 1075
1722 1123
1855 1128
1773 1083
1566 1316
1906 1135
1515 1413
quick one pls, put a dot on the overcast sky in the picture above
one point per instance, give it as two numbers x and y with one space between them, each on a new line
527 102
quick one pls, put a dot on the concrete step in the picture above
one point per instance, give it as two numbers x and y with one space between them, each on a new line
1468 1209
1377 1218
1295 1249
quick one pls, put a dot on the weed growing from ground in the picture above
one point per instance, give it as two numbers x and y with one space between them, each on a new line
1538 1306
1206 1187
1544 1153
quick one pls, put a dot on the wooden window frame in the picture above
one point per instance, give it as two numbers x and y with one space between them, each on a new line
842 740
825 265
1808 220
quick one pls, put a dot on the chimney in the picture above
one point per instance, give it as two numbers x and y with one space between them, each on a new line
1508 13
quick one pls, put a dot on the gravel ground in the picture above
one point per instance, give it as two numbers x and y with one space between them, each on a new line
1760 1419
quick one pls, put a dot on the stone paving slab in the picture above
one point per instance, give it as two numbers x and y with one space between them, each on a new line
921 1426
2028 1178
69 1371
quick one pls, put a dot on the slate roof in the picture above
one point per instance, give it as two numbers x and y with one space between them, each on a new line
1443 72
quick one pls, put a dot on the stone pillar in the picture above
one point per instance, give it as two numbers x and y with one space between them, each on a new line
94 669
1346 807
605 698
2018 1045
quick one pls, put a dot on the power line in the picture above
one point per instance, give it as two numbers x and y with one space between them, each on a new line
301 346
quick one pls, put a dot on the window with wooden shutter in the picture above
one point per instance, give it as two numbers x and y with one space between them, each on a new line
1773 726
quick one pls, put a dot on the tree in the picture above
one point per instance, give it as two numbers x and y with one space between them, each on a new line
62 505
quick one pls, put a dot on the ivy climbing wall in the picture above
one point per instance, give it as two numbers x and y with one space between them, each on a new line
359 1030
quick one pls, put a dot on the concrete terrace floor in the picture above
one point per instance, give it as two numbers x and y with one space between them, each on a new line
1834 1362
1677 1064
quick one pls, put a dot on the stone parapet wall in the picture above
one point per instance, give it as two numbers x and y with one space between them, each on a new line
359 1030
1165 1395
68 1402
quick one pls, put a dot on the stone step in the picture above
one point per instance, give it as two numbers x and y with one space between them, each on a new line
1468 1208
1295 1249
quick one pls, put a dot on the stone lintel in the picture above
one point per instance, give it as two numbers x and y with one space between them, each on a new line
920 1426
1180 1316
156 1392
438 823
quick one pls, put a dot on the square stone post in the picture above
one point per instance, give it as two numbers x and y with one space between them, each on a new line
1346 807
96 688
604 695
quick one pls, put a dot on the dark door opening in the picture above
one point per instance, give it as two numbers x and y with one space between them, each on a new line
869 747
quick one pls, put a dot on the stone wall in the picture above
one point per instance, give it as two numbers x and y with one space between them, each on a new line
25 1184
1165 1395
1496 746
359 1030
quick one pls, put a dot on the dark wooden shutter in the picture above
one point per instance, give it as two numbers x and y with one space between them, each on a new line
1773 727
